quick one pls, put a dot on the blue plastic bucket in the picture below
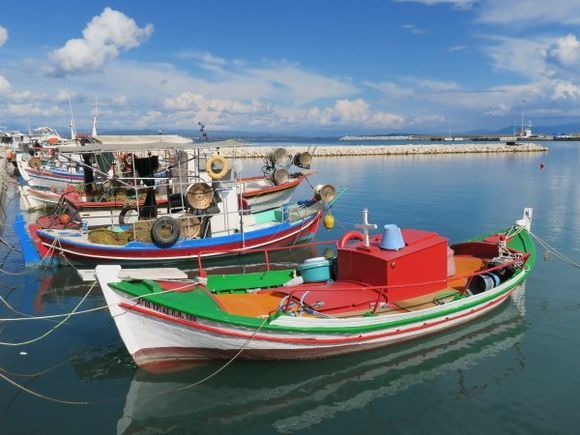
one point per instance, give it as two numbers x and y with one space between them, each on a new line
315 269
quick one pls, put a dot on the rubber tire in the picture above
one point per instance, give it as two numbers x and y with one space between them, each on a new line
124 212
158 239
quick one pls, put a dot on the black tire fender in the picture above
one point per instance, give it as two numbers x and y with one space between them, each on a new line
124 212
157 235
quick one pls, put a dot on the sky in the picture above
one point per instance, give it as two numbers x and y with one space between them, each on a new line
291 67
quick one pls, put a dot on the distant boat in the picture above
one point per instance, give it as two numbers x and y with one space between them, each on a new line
450 138
379 137
508 140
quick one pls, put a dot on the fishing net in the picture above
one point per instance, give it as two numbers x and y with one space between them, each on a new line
105 236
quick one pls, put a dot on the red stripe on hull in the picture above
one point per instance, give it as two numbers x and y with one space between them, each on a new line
350 339
169 358
85 253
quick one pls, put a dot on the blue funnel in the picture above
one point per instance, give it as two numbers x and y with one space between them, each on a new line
392 238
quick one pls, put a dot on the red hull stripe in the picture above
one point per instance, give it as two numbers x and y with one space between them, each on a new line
55 175
338 340
136 254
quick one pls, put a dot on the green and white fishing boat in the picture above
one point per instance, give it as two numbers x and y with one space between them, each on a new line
378 290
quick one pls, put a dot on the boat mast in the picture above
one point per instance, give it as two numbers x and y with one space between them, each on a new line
523 111
94 132
72 119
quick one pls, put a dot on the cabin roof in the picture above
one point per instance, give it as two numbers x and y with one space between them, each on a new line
148 143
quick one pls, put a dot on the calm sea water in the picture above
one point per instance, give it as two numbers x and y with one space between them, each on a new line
514 371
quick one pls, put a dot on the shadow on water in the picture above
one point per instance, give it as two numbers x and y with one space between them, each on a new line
295 396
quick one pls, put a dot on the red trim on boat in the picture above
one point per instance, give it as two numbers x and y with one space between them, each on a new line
262 337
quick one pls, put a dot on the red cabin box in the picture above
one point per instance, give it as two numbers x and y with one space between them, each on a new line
417 269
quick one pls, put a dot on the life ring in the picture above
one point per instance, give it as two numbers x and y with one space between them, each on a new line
165 232
216 175
351 235
123 214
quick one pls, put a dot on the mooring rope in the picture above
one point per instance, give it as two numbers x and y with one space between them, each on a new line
159 393
550 249
50 331
99 308
41 264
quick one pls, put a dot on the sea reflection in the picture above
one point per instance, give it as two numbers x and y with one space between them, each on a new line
294 396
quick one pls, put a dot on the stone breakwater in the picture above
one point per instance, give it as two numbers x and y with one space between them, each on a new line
388 150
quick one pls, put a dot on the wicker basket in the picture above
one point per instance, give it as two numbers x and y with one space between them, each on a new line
325 193
190 227
200 195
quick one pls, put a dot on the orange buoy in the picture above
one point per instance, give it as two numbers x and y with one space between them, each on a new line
64 219
9 155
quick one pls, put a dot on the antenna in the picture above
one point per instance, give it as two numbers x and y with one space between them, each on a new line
523 111
94 132
203 133
72 118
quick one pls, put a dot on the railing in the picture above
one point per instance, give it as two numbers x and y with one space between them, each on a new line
265 251
382 290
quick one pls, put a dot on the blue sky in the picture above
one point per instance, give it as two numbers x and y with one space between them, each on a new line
291 66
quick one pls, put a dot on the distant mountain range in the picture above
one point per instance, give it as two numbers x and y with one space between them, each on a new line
320 134
536 129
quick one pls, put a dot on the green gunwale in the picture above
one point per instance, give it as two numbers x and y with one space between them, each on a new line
200 304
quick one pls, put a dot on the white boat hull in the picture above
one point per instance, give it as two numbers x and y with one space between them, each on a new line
155 336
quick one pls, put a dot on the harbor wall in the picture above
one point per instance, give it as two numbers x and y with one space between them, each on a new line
387 150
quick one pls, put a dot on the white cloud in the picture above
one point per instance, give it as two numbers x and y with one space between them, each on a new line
438 85
413 29
286 79
457 48
4 85
524 56
563 90
27 110
520 13
457 4
391 90
502 109
565 51
121 100
529 12
3 35
206 59
103 37
354 112
63 96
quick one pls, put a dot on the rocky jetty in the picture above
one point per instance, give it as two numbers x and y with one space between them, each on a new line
387 150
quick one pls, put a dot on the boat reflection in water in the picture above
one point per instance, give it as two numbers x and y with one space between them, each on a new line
293 396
